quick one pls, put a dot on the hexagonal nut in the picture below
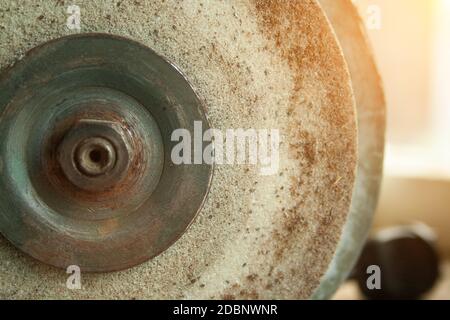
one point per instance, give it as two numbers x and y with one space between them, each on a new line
95 154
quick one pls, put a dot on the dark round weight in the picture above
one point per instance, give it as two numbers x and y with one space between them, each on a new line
408 262
86 171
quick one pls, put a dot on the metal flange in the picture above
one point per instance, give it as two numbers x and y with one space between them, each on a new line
86 142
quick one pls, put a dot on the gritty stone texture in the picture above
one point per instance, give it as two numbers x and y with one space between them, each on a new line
255 64
371 112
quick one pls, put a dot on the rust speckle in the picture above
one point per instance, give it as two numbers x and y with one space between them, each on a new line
282 21
323 143
252 277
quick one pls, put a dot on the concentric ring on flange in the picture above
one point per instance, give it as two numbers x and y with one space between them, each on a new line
94 86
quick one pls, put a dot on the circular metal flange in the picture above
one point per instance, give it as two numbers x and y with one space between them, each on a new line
86 153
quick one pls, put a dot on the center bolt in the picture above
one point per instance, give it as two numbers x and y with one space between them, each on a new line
95 156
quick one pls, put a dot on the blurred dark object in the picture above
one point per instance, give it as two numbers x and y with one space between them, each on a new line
407 260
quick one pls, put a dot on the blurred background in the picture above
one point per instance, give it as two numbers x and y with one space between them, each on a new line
411 43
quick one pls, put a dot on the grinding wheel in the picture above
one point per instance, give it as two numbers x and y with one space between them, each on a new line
371 114
243 64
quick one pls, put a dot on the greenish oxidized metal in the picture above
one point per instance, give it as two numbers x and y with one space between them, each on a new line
86 171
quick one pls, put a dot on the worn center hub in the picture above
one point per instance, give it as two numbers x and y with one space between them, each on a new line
89 146
95 156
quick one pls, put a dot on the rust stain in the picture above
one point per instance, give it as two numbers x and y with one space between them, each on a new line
108 227
310 50
300 41
302 38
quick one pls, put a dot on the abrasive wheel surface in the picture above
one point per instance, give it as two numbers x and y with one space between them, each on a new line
371 114
255 64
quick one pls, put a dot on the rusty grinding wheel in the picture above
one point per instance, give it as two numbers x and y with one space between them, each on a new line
86 172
